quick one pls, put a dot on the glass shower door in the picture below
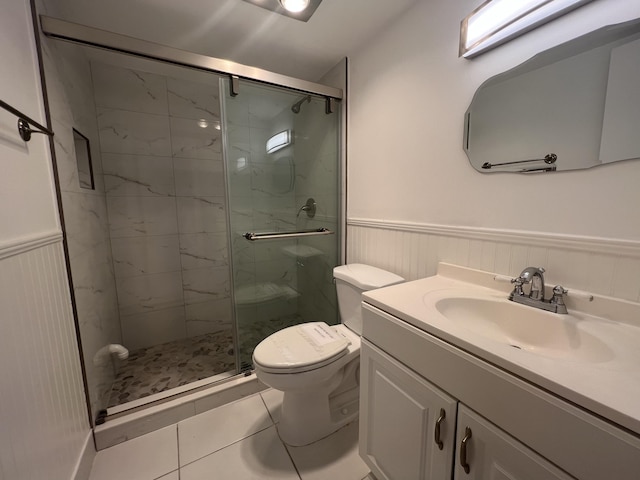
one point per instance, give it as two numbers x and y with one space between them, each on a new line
282 163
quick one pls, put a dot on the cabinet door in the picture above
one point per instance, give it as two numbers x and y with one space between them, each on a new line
407 425
490 453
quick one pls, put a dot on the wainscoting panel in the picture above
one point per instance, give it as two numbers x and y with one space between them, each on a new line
43 414
598 265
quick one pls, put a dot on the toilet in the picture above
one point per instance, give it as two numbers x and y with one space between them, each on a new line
316 365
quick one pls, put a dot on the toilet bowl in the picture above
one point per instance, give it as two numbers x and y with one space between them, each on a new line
316 365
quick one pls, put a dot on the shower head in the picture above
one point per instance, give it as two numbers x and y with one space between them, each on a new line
295 108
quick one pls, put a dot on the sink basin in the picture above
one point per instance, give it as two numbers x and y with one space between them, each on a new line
525 328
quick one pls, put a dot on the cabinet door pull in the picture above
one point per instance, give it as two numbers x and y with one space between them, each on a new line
439 421
463 450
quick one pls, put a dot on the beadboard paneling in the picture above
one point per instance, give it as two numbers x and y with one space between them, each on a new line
603 266
42 407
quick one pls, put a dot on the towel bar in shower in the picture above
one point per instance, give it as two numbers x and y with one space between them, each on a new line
302 233
549 159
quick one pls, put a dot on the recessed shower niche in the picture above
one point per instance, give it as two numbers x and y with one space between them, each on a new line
159 259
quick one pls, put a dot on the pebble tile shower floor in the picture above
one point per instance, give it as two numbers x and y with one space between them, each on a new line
162 367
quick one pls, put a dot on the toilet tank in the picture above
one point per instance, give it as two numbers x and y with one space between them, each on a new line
351 281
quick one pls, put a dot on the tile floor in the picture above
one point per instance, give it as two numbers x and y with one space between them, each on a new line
237 441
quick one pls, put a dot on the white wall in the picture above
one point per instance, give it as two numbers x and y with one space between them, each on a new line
26 195
42 407
414 200
408 94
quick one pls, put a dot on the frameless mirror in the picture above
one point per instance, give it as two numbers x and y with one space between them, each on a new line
574 106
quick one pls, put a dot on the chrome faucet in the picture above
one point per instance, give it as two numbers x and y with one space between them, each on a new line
535 277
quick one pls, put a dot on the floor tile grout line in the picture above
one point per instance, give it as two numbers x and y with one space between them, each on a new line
286 449
178 447
268 411
222 448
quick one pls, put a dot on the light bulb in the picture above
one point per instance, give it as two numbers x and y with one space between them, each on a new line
294 6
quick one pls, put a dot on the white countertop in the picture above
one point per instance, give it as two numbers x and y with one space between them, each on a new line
608 386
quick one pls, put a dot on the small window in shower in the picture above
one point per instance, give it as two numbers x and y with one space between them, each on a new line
83 160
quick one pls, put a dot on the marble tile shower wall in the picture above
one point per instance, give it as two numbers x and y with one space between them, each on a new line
262 199
164 183
70 92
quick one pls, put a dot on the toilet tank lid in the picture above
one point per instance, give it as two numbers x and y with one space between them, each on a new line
366 277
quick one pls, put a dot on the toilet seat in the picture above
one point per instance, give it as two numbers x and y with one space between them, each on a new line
300 348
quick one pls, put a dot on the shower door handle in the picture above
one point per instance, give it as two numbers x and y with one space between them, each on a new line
302 233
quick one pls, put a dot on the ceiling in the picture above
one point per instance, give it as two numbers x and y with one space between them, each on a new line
241 32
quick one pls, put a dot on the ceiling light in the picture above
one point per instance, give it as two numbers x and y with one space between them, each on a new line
498 21
294 6
298 9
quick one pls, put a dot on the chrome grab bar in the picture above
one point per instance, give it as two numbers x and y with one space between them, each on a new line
302 233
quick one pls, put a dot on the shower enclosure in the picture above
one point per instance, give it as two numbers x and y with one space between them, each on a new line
283 178
211 221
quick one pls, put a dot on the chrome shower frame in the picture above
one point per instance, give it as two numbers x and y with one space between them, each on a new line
76 33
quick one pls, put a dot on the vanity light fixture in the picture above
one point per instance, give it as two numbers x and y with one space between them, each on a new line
498 21
298 9
279 141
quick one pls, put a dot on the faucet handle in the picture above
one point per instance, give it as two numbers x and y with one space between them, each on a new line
558 299
518 282
559 290
558 294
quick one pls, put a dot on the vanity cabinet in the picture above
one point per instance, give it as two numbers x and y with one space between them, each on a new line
518 430
493 454
407 425
408 431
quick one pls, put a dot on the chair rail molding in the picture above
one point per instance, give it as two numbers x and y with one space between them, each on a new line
600 245
17 246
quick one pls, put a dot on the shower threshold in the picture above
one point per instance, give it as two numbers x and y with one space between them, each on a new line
171 394
147 418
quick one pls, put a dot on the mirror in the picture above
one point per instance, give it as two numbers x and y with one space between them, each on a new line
574 106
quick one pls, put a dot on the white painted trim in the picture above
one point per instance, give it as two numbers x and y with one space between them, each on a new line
26 244
608 246
82 470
